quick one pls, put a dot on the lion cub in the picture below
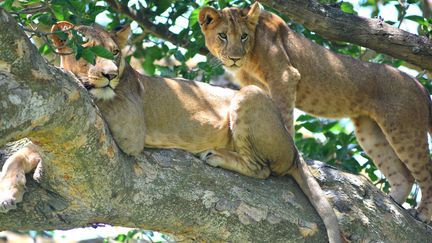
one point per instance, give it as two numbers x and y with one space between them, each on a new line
391 111
239 131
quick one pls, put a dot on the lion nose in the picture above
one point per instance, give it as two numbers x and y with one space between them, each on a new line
235 59
109 76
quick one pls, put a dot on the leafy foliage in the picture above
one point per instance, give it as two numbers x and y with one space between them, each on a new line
331 141
136 235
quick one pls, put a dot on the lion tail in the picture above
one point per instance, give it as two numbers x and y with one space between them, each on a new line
316 196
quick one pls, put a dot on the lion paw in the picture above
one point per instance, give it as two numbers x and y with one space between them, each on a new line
263 173
210 158
7 204
214 161
11 193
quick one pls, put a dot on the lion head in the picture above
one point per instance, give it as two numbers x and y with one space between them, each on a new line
230 33
102 78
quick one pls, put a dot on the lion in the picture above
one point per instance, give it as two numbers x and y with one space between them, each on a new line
241 131
391 111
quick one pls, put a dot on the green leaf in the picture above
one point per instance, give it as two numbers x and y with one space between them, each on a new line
89 56
179 56
193 18
58 11
94 11
162 5
121 238
44 49
222 3
7 5
79 6
149 66
46 19
102 52
61 35
390 22
166 237
28 2
418 19
132 233
347 8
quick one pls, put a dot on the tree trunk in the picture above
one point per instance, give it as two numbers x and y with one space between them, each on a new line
86 179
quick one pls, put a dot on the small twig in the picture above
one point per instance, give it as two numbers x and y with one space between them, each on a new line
380 181
421 73
44 36
404 11
32 10
53 49
139 38
43 33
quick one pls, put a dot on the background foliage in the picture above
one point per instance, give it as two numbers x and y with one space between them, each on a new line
321 139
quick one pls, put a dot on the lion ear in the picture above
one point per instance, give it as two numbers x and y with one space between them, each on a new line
122 35
60 26
254 13
208 16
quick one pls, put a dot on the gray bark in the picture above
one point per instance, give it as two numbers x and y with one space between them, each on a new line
86 179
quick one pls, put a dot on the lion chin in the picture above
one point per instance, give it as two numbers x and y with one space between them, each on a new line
105 93
232 66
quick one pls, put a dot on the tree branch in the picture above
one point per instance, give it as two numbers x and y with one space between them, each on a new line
427 8
87 180
334 24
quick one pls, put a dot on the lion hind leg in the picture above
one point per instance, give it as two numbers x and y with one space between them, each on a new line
410 142
259 134
373 141
12 176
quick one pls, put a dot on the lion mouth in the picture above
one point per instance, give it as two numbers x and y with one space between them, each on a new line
233 66
89 85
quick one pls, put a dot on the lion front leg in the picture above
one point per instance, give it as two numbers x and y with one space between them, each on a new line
283 90
12 176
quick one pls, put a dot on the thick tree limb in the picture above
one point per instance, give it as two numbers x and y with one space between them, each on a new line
86 179
334 24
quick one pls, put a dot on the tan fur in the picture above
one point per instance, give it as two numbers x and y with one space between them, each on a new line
240 131
391 110
12 176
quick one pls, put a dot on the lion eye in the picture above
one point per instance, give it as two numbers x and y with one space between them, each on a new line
116 52
244 37
222 36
